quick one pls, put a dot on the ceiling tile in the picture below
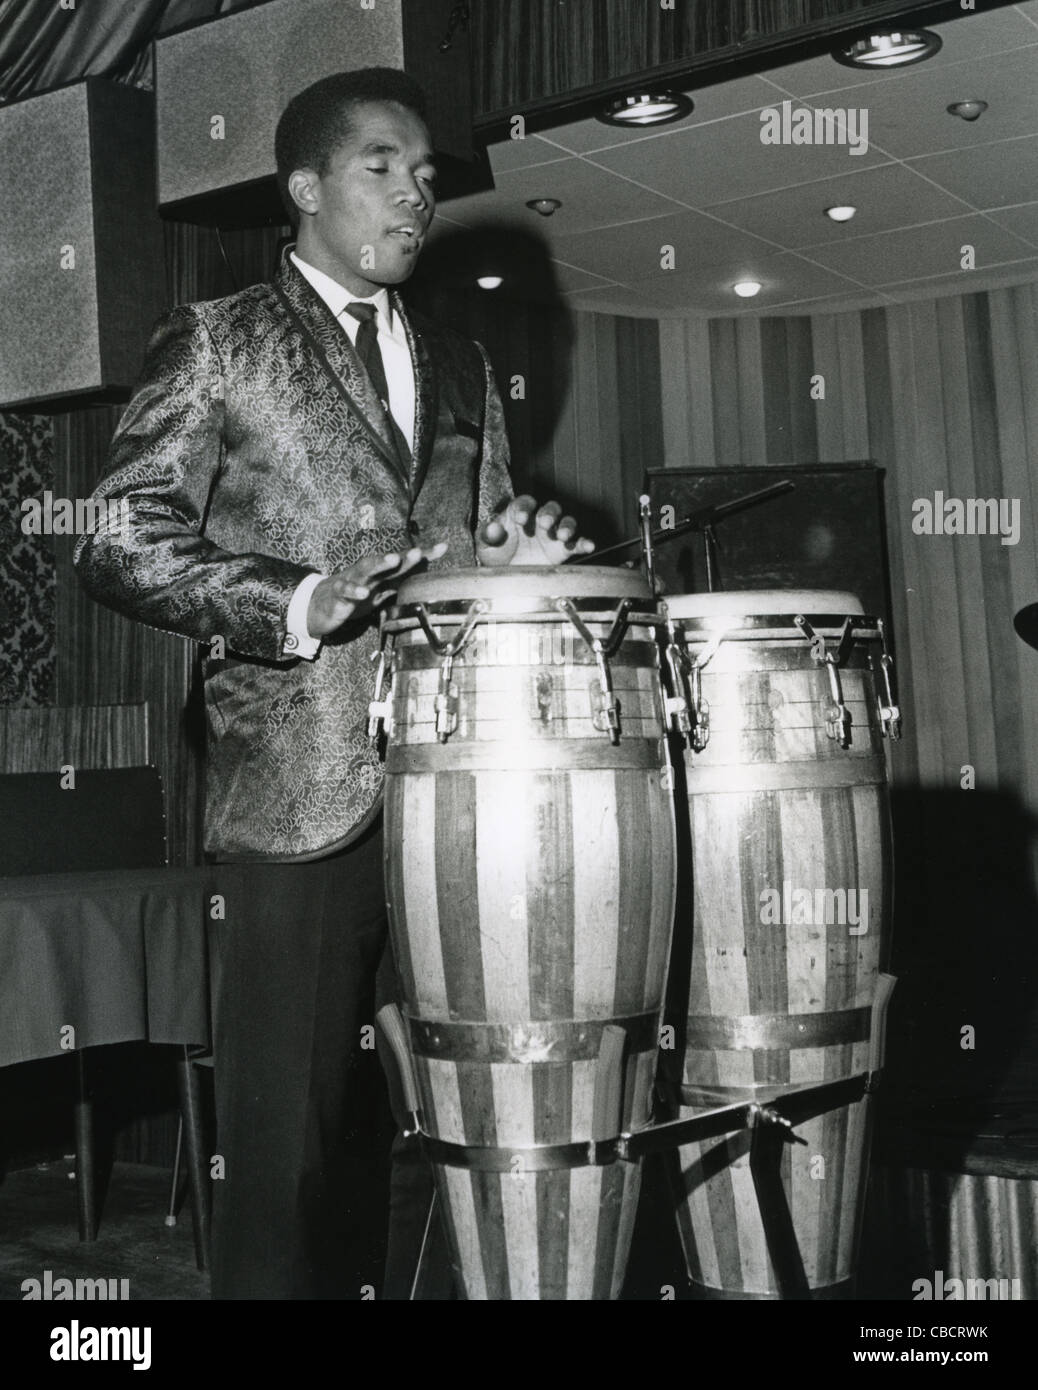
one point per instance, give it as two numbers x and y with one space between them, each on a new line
923 251
711 104
886 197
633 251
570 278
590 197
910 117
990 176
967 36
733 207
507 155
716 163
1022 221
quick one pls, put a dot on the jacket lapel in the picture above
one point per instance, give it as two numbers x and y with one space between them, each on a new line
426 397
337 353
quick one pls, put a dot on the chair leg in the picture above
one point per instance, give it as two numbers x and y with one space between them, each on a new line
191 1116
171 1215
86 1191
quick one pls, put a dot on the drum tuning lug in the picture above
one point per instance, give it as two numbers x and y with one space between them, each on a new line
701 730
446 702
838 724
676 705
605 708
380 709
889 713
700 711
544 687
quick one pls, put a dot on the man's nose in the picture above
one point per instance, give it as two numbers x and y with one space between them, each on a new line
413 194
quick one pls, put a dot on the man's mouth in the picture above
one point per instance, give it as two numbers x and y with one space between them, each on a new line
409 233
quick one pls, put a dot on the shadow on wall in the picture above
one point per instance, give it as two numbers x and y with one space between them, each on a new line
528 330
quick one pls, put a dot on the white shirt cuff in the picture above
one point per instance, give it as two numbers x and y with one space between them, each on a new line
298 641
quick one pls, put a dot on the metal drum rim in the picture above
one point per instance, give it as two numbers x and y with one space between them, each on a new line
545 581
748 602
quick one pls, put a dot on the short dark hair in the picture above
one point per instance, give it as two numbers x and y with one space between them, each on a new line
318 119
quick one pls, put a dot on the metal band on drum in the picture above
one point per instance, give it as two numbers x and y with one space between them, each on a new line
540 755
819 1292
775 1032
537 1040
802 774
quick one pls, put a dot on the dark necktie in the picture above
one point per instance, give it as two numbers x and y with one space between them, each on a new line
370 354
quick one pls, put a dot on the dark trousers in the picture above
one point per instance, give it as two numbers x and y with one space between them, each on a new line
304 1124
302 1120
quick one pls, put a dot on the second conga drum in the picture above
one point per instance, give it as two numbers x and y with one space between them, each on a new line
530 880
790 847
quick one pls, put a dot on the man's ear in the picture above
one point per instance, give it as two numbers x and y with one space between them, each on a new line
304 187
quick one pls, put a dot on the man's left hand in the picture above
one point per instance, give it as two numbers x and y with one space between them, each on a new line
525 534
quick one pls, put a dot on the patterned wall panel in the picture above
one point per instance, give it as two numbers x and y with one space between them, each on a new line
27 580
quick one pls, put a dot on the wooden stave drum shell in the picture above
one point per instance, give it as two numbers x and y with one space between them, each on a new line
448 807
772 798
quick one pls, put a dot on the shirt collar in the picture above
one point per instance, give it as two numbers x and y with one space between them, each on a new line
336 297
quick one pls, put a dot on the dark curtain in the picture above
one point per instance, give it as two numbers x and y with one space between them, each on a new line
43 45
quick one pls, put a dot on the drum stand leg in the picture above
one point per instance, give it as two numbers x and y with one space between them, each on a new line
423 1253
766 1145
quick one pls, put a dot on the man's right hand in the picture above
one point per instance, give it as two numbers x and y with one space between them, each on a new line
353 593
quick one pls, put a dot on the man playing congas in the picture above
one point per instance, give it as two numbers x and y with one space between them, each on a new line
291 451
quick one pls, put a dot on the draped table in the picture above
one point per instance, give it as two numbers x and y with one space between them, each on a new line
114 956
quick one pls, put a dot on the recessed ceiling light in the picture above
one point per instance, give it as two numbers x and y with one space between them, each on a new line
545 206
893 49
647 108
489 282
843 212
746 289
968 110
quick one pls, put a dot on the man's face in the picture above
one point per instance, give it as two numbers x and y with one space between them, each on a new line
365 221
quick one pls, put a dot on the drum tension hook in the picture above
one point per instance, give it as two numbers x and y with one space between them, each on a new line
690 710
446 701
837 715
889 713
380 709
678 665
605 708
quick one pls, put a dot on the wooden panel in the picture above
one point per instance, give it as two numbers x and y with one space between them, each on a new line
45 738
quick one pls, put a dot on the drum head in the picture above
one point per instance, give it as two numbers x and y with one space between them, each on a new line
751 603
523 581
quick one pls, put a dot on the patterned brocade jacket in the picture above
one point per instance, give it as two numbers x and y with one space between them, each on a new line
253 453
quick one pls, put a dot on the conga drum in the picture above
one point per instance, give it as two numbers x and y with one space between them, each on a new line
788 811
530 873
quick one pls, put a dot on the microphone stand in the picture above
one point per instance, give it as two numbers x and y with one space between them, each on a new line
703 520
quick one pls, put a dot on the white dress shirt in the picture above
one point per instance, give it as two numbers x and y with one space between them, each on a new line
396 358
